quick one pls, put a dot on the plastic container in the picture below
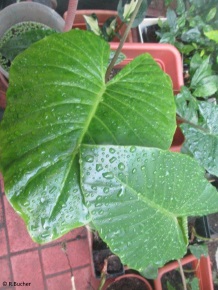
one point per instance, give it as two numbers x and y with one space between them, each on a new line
166 55
201 268
102 15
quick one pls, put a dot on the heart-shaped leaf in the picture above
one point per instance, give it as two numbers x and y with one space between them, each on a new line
56 103
139 199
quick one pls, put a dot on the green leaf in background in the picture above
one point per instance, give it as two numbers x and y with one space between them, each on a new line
195 62
194 283
206 87
170 287
211 14
204 82
187 105
109 28
191 35
135 193
126 8
203 143
120 58
19 43
92 23
63 103
168 37
213 35
172 19
198 250
180 7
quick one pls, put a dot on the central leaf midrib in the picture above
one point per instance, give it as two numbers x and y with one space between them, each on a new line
76 148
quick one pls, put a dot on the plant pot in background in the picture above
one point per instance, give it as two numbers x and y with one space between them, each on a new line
102 15
128 281
25 12
166 55
147 29
201 269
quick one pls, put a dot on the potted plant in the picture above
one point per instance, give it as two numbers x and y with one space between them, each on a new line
192 28
109 24
19 21
200 268
130 282
79 148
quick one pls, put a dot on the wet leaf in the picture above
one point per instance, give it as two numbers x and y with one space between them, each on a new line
203 143
19 43
187 105
148 191
198 250
56 103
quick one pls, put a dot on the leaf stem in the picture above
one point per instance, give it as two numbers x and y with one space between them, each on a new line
122 41
183 120
71 12
103 275
182 275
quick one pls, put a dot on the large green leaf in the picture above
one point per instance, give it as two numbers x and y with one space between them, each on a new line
139 199
202 143
150 108
58 98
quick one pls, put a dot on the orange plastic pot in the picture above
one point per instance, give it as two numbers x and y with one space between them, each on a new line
128 276
3 89
201 269
102 15
166 55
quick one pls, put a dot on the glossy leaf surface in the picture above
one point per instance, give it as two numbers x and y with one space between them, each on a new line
139 199
60 101
203 143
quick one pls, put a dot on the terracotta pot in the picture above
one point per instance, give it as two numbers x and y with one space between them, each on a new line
201 269
131 277
102 15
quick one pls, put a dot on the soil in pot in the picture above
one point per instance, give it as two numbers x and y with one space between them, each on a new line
149 35
102 252
128 284
173 279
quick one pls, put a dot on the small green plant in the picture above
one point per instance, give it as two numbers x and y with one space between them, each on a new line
111 27
192 28
186 27
18 38
77 149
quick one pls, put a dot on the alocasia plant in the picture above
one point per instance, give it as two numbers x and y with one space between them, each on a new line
77 150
